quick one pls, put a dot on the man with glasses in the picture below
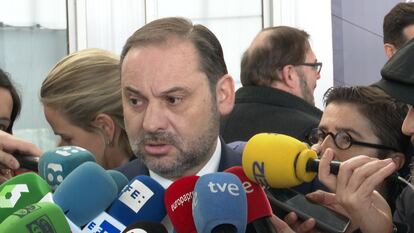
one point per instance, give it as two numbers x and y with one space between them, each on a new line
363 121
278 72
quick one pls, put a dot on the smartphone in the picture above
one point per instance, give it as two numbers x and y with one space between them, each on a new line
290 200
27 161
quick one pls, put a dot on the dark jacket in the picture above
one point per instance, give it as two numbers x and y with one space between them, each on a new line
229 158
404 212
264 109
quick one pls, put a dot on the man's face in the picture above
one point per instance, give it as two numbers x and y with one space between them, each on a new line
171 117
308 77
336 117
408 125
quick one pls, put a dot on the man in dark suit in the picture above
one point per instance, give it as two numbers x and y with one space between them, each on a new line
175 88
278 72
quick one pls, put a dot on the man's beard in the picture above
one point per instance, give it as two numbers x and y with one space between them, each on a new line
307 94
191 152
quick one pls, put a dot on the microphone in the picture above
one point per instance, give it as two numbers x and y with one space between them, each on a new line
280 161
120 179
259 209
55 165
219 204
141 199
85 193
20 191
145 227
178 202
39 217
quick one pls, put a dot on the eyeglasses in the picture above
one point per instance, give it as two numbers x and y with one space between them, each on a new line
317 66
342 140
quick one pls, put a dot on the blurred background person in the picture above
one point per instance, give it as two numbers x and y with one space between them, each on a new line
10 103
279 72
398 27
82 102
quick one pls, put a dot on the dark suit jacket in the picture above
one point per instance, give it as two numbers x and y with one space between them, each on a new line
229 158
261 109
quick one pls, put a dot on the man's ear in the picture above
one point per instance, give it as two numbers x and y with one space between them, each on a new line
107 126
225 94
389 50
398 158
289 77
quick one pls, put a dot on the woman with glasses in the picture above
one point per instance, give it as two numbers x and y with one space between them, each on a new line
363 121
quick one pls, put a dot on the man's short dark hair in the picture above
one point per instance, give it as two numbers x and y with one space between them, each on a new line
385 114
206 43
7 84
400 16
282 46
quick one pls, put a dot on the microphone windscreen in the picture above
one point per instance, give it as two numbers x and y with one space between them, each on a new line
141 199
39 217
103 223
219 199
258 205
277 160
20 191
55 165
120 179
178 202
145 227
85 193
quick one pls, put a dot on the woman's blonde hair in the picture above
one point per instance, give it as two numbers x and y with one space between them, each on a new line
83 85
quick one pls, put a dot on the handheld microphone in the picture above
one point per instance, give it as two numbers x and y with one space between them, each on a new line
145 227
20 191
120 179
85 193
178 202
141 199
219 204
259 209
280 161
39 217
103 223
55 165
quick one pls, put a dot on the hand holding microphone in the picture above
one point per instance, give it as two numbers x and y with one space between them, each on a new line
354 188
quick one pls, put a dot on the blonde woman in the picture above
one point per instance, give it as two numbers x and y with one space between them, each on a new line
82 102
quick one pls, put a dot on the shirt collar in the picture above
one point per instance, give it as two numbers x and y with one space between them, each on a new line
211 166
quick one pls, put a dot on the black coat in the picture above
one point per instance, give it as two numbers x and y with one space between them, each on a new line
264 109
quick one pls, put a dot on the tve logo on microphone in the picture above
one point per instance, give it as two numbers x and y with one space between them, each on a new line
11 194
231 188
136 195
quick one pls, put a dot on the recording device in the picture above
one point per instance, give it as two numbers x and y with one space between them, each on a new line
55 165
39 217
279 161
85 193
178 203
141 199
219 204
259 210
27 161
145 226
326 219
20 191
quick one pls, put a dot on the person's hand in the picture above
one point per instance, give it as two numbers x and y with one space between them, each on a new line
9 144
308 226
354 190
280 226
